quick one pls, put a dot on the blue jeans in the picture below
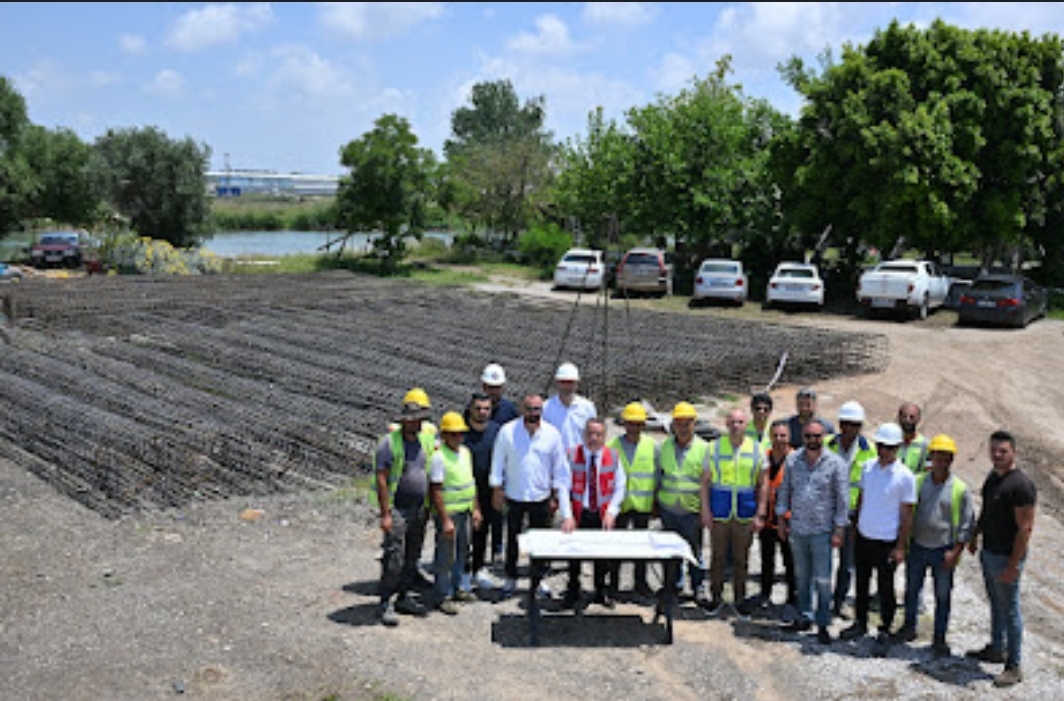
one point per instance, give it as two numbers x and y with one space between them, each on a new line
917 563
449 560
1006 622
812 571
844 572
689 526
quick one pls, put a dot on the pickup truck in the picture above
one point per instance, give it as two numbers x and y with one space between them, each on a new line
911 286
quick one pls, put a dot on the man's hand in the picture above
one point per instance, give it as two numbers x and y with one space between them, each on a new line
607 522
568 525
386 522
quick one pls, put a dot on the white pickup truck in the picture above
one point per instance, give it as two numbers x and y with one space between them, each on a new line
912 286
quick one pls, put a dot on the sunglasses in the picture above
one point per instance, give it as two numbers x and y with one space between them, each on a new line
813 436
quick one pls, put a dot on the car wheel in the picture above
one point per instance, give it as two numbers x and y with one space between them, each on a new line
924 308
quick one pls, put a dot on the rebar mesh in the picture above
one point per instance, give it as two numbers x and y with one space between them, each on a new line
143 393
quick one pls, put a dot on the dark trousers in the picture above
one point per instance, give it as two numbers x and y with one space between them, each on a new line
640 522
770 541
535 513
401 551
490 525
874 555
605 571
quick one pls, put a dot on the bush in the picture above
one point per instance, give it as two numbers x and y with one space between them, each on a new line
542 245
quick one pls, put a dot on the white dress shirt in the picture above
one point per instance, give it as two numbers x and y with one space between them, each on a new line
529 465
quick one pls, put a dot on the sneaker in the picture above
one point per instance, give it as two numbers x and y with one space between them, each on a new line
823 636
448 606
798 625
882 644
1011 676
905 634
986 654
388 615
940 650
544 591
711 606
483 580
509 586
411 606
857 630
465 596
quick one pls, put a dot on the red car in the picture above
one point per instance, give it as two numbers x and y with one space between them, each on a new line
59 248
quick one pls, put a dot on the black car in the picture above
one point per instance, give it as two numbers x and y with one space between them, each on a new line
1002 300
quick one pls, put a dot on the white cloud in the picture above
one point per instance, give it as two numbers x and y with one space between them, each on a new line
217 24
303 71
625 14
674 74
551 39
167 83
375 20
103 79
133 44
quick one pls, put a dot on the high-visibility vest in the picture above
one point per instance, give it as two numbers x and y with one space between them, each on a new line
681 485
773 486
764 441
957 490
607 479
428 446
459 485
865 452
639 490
914 455
733 494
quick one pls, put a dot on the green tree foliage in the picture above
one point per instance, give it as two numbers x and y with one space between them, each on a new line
498 159
388 188
65 189
158 183
17 179
937 139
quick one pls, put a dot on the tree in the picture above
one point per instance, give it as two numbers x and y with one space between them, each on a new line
17 180
157 182
387 189
62 163
498 161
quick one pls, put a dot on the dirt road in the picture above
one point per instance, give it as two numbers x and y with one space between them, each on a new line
272 597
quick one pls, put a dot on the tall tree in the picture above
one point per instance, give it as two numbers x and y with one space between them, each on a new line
388 188
62 163
157 182
499 158
18 182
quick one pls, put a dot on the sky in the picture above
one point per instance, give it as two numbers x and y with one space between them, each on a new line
284 86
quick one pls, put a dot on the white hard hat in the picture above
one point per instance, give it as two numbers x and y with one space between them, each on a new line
888 434
493 375
567 371
851 411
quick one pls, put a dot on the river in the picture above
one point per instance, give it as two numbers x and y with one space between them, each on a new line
273 244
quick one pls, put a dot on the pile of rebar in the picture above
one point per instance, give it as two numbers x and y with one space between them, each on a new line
141 393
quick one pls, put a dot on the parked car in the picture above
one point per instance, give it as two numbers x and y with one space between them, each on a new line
720 279
580 269
911 286
61 248
796 284
996 299
645 270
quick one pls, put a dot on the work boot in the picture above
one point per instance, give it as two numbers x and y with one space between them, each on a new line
986 654
1010 677
905 634
388 615
448 606
853 632
410 606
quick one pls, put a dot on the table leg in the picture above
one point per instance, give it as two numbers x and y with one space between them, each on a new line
671 568
535 576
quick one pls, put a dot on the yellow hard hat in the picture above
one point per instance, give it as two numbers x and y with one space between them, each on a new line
684 410
634 412
417 396
943 443
452 422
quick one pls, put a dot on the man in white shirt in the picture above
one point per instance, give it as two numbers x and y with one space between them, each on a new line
566 410
530 476
884 523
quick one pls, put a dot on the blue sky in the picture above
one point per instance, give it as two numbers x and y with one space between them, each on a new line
283 86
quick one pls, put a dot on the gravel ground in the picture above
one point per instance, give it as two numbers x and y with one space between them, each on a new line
272 596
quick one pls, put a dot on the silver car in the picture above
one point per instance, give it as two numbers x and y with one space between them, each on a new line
645 270
720 279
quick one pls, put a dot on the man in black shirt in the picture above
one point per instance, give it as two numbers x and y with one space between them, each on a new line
480 439
1005 524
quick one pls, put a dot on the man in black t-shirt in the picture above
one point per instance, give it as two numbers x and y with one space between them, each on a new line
480 439
1005 524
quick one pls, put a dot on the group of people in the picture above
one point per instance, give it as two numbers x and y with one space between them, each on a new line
800 486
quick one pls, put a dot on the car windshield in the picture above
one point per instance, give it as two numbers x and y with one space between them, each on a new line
992 285
582 258
795 272
641 259
53 239
898 267
720 268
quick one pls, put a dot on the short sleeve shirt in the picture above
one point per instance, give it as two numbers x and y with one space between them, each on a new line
884 488
1002 495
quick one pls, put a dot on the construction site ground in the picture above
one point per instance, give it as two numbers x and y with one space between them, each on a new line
180 461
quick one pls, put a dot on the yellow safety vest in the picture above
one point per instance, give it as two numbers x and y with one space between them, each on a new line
639 490
681 485
865 452
459 485
733 493
914 455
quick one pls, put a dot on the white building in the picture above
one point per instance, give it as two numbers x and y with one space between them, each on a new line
234 183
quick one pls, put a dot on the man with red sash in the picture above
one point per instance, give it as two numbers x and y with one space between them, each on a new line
597 492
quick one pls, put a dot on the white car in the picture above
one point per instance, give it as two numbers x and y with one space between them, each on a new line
721 279
795 284
580 269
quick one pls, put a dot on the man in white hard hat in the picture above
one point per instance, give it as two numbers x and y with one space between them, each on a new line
884 523
493 382
566 410
855 450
